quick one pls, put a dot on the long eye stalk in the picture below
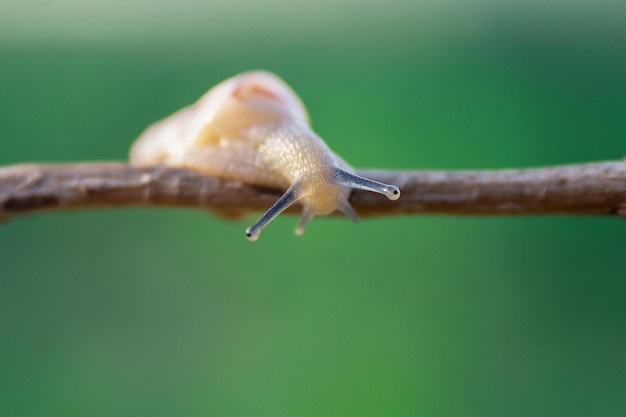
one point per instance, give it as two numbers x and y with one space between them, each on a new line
345 178
286 200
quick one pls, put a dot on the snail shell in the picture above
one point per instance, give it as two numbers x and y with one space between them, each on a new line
253 128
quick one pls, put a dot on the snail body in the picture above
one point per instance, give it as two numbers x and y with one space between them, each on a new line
253 128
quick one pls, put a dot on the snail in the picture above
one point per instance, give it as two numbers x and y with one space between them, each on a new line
253 128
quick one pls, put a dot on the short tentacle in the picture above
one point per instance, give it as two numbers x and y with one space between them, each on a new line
306 217
348 179
346 208
287 199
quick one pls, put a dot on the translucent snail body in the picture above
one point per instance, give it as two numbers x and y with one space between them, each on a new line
253 128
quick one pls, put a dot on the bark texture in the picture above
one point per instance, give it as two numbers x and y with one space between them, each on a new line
583 189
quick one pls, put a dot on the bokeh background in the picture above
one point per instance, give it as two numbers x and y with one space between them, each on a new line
173 313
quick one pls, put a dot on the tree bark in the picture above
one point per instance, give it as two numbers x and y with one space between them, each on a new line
583 189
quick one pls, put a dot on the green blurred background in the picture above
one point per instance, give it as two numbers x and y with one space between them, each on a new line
173 313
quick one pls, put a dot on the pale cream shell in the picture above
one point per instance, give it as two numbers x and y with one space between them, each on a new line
215 136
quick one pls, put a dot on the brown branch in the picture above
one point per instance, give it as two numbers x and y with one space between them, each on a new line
585 189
